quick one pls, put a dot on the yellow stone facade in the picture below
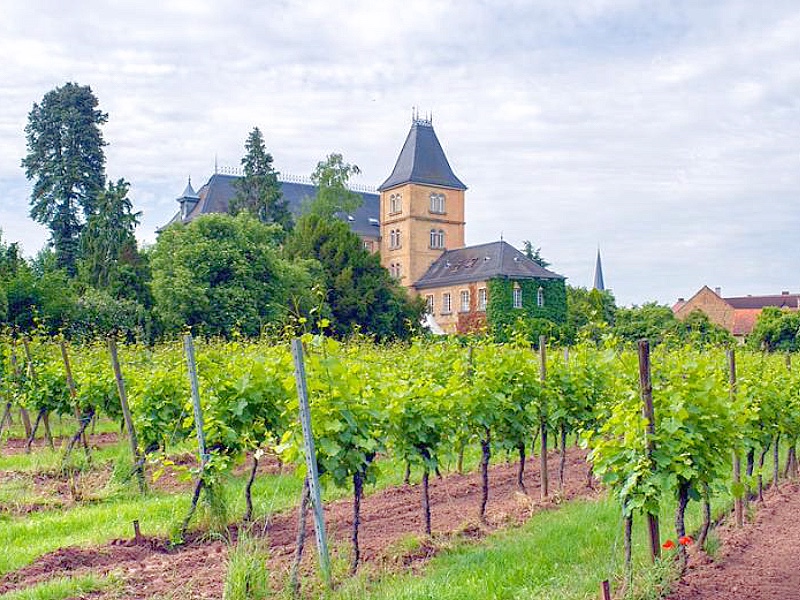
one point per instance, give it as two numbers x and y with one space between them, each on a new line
409 214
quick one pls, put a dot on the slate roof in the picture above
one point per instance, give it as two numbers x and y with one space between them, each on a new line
780 301
481 263
422 160
215 197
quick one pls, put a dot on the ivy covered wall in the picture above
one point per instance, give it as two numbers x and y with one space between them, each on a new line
501 314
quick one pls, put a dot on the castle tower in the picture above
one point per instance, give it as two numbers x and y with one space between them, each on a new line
422 206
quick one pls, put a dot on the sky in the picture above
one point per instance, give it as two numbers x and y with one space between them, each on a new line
663 133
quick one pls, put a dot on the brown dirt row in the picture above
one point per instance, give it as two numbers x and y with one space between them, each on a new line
196 570
758 562
17 445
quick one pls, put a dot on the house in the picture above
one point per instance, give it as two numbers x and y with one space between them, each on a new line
736 314
215 197
416 222
422 245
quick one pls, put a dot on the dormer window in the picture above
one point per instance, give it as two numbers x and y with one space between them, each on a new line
395 204
437 239
437 203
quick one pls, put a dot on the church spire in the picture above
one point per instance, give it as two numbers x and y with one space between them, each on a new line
598 274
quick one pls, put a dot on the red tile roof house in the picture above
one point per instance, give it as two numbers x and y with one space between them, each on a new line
738 315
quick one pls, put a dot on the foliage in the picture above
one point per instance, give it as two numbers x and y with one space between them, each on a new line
331 178
65 158
534 253
531 320
589 313
776 330
221 274
361 295
108 238
651 321
259 191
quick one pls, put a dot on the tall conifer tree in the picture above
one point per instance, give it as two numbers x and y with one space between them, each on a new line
66 162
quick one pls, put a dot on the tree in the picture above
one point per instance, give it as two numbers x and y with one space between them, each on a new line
535 254
362 296
331 178
108 237
650 321
65 158
221 274
259 191
776 329
589 311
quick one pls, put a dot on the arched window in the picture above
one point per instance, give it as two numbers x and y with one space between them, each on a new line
437 203
517 296
394 239
540 297
437 238
395 203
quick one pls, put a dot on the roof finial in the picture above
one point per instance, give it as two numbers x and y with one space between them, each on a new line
501 236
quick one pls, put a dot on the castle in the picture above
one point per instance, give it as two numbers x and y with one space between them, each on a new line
416 221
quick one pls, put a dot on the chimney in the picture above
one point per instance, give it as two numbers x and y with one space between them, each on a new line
785 293
718 291
681 300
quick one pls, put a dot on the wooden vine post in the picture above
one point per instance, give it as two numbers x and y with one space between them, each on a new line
126 413
543 417
311 461
738 500
648 412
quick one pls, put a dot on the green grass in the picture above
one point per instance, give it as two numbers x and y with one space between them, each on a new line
61 588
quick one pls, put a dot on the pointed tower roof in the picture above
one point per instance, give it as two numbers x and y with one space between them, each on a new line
598 274
189 192
422 160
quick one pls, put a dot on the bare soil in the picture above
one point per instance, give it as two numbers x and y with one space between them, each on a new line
97 440
151 568
758 562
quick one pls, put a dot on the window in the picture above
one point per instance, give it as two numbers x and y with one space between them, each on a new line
464 300
429 304
437 239
540 297
394 239
517 296
446 307
481 298
437 203
368 245
395 270
395 204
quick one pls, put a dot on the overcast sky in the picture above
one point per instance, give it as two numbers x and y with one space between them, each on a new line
664 132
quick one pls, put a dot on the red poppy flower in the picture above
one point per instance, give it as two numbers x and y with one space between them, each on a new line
685 540
668 545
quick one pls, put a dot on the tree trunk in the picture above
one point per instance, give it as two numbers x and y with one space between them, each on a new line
761 458
248 491
195 497
485 455
776 460
563 459
358 483
680 525
628 551
32 435
80 435
426 501
521 469
543 459
701 540
301 539
47 434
